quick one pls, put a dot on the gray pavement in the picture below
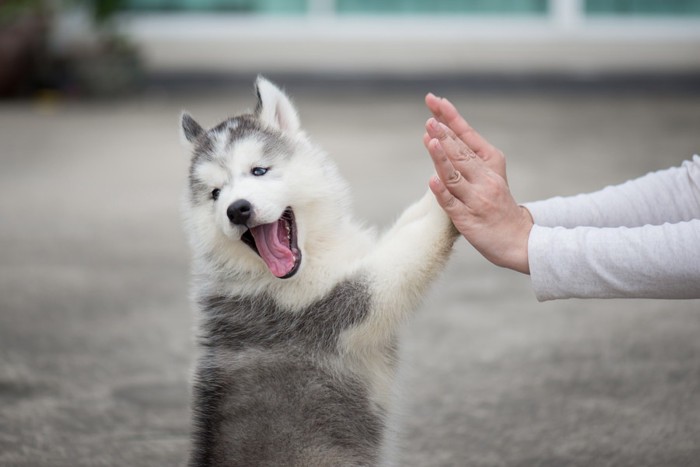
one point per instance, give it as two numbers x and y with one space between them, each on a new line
96 328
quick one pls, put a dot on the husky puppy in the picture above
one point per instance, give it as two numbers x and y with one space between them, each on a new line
299 304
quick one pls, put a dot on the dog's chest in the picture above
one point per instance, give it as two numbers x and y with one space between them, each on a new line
241 322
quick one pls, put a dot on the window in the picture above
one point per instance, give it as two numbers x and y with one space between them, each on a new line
642 7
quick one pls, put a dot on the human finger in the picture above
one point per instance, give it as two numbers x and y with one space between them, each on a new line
433 103
450 176
461 156
445 198
437 130
426 139
445 112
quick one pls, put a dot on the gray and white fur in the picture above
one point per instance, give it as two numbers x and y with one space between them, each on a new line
299 305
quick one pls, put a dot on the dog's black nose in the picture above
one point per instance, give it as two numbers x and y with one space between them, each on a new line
239 211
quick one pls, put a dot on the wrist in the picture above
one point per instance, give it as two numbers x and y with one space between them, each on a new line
521 261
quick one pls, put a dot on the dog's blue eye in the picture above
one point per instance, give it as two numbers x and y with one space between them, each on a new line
215 194
259 171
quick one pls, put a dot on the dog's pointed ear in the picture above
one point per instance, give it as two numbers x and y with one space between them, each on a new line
274 107
190 130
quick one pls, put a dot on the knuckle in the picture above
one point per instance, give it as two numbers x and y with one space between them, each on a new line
492 187
454 179
451 203
464 153
498 154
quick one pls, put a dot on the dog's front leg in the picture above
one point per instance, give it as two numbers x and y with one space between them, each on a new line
404 263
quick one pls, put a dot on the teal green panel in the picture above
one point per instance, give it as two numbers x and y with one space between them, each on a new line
643 7
191 5
147 5
506 7
281 6
242 6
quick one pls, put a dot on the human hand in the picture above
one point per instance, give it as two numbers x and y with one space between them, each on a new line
476 196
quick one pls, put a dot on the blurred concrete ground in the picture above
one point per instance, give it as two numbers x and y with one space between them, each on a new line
96 328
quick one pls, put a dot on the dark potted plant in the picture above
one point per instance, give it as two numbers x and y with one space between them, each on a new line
109 64
23 33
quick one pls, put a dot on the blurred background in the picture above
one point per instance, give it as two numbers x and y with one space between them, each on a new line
106 46
96 329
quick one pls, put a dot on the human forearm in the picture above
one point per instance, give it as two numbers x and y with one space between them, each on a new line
644 262
671 195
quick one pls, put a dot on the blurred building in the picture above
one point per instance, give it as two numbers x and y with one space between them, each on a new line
418 37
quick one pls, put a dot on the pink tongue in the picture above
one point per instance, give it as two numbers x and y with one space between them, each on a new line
271 240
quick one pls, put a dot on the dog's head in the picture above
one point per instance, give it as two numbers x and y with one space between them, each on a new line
258 188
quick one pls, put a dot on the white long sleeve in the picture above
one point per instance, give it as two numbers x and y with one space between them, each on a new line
671 195
653 261
639 239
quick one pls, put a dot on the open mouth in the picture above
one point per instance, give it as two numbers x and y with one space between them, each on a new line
276 244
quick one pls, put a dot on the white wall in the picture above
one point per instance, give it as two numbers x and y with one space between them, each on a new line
565 41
